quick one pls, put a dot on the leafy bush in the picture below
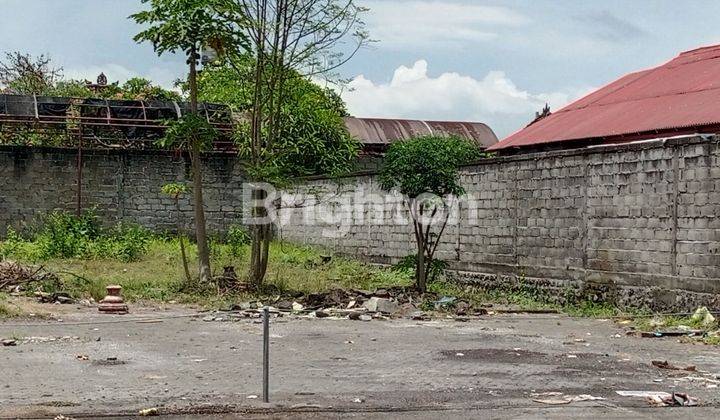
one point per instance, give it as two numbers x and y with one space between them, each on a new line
237 238
12 243
63 235
407 264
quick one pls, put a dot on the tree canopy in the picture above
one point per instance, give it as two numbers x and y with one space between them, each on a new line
427 165
312 136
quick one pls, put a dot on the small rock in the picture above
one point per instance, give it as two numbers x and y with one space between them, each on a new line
296 307
321 314
382 293
209 318
284 305
149 412
358 400
376 304
419 316
9 342
365 317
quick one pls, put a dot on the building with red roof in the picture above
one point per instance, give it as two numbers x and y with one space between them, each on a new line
679 97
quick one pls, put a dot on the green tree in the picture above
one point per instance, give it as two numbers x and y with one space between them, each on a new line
289 40
23 74
141 89
425 170
312 137
186 26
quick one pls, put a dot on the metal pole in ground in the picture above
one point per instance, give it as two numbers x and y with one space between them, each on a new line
266 354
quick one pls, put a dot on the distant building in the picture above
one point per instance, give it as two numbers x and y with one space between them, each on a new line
376 134
679 97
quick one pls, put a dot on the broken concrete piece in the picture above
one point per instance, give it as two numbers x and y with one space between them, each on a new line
703 315
386 306
321 314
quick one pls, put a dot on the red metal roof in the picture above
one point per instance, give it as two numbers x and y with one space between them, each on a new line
682 95
382 132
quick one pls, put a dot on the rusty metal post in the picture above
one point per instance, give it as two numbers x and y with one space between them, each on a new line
78 204
266 354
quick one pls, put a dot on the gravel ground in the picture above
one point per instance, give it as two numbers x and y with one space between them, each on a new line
493 367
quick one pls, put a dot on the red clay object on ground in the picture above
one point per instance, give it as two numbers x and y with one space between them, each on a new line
113 303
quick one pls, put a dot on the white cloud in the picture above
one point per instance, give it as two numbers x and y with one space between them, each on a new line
412 93
416 23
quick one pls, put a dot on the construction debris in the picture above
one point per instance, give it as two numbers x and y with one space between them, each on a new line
558 398
703 316
663 399
14 276
665 365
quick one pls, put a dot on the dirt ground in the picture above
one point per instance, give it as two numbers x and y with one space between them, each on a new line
89 365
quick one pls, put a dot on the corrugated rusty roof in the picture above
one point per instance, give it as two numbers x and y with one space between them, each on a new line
681 95
380 132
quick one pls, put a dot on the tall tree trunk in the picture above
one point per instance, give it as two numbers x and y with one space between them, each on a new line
262 236
181 239
420 273
200 224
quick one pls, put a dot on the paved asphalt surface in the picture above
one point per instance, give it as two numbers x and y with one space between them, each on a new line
92 365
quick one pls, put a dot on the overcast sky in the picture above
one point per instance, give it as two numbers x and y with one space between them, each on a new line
494 61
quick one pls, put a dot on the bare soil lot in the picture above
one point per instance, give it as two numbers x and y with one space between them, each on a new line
495 367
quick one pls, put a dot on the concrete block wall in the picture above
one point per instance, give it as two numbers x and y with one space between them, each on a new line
120 185
641 218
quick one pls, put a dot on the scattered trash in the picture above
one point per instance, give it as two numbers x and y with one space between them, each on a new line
8 342
251 397
703 315
358 400
444 302
460 354
659 398
558 398
82 357
110 361
669 333
154 411
57 297
665 365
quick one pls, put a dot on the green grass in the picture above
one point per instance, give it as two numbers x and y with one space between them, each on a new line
525 298
158 276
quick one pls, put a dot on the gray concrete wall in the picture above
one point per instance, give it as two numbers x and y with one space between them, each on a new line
638 222
121 186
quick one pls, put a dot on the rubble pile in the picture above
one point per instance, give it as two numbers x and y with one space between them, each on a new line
355 304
